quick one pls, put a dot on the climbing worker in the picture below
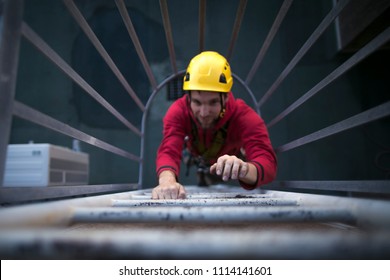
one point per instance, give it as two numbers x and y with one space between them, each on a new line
224 137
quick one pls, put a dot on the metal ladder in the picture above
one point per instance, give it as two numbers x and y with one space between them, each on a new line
221 222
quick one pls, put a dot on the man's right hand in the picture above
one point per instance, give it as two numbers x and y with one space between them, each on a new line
168 187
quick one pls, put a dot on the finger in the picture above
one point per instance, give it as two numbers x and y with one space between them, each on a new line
165 195
182 193
154 194
170 193
162 193
235 168
244 170
175 191
157 194
227 169
220 164
213 168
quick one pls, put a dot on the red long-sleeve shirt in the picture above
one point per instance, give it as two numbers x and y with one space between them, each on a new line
245 129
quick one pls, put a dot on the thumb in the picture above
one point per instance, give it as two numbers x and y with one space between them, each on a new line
213 168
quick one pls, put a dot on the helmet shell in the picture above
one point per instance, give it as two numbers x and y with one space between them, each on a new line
208 71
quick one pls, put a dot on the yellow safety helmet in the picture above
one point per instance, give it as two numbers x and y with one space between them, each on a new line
208 71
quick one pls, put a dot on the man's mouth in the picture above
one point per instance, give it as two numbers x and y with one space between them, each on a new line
205 122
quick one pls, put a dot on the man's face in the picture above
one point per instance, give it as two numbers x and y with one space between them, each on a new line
206 106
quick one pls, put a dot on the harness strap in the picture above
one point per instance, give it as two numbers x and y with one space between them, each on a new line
218 141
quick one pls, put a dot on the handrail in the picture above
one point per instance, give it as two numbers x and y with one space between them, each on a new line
9 56
304 49
236 27
41 45
99 47
25 112
168 34
370 115
368 49
268 40
133 35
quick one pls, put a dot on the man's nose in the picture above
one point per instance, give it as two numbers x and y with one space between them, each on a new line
204 110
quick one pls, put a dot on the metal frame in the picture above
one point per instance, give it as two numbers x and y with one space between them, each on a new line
305 48
281 202
211 244
14 28
235 224
9 55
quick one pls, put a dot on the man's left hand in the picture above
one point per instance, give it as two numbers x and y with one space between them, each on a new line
230 167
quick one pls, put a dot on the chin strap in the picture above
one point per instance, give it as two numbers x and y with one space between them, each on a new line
223 109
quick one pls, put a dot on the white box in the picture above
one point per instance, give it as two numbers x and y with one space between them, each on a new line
43 165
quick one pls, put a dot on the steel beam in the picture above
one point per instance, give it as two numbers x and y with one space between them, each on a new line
43 47
168 34
217 214
194 244
12 195
75 12
371 187
51 213
144 118
9 57
206 195
249 91
206 202
236 27
305 48
368 49
365 117
32 115
137 44
267 42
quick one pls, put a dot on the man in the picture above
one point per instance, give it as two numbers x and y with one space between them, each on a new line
223 135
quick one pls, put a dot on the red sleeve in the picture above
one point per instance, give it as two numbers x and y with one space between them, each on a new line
257 146
170 150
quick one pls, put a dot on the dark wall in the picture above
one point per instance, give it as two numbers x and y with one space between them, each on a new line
358 154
